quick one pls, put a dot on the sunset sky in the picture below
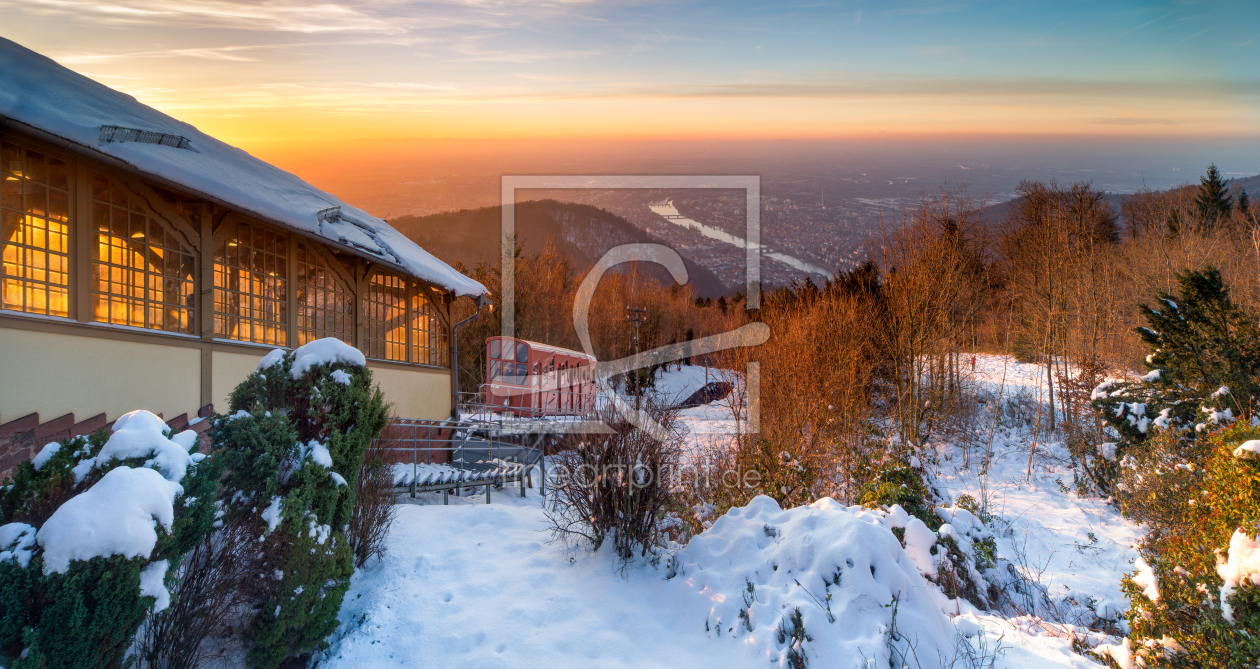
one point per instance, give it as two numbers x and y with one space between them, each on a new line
291 72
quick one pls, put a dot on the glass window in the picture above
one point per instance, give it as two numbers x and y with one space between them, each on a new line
429 341
385 311
403 325
250 298
34 232
141 274
325 307
522 353
494 347
494 370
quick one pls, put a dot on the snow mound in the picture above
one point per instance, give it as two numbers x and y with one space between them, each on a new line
325 352
117 516
140 434
838 572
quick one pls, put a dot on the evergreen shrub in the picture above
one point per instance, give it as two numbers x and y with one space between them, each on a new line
293 449
86 615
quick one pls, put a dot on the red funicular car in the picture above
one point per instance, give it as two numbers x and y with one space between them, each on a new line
527 378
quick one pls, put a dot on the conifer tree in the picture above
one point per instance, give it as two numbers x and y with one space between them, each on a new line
1213 200
1204 362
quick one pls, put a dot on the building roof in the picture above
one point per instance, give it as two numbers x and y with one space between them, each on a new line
93 118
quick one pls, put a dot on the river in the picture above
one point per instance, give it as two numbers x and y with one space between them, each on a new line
667 211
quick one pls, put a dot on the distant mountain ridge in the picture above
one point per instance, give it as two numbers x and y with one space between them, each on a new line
582 233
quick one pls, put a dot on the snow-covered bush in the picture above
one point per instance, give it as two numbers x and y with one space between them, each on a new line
616 487
817 585
293 446
900 485
1204 371
95 529
1195 600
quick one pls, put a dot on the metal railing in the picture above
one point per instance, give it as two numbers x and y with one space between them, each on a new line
488 456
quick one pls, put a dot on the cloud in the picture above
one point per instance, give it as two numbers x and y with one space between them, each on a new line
285 15
1131 120
908 86
228 53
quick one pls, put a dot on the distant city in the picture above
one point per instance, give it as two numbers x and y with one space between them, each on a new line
820 202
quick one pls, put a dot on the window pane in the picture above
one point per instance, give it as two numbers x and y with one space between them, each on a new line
34 276
133 257
325 306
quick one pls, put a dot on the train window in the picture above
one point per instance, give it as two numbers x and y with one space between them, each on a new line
522 353
494 348
522 371
494 370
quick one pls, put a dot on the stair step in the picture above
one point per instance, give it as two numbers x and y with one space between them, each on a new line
88 426
56 429
19 425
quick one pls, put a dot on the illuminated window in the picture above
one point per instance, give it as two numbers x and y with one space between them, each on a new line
429 342
324 307
34 232
400 320
249 286
141 274
385 311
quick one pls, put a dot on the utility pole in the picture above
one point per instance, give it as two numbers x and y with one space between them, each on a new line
636 315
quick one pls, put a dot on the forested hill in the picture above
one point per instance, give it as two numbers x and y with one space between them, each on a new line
582 232
994 214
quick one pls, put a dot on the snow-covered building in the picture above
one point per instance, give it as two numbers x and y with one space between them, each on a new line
147 265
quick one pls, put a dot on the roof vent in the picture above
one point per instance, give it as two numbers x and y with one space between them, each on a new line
113 133
329 214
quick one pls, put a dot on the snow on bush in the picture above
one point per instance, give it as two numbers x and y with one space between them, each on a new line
152 584
141 434
17 540
1145 578
1242 564
117 516
819 582
319 352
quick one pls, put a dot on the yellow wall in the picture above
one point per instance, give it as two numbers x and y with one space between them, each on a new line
420 393
414 393
56 374
230 368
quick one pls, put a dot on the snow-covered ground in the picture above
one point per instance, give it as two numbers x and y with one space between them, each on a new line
477 585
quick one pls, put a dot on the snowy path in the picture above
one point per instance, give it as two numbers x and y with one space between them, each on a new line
476 585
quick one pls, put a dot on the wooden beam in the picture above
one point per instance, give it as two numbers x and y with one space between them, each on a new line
82 237
159 208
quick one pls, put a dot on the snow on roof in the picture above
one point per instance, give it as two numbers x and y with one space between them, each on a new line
39 93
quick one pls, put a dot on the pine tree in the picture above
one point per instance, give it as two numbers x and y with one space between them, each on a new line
1213 200
1200 343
